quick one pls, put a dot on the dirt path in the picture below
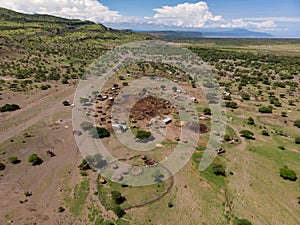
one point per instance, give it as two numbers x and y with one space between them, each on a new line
46 111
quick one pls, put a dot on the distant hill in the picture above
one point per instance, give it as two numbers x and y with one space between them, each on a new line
44 47
239 33
175 34
34 30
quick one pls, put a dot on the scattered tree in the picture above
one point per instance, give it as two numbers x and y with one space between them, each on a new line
283 114
207 111
84 165
227 138
61 209
297 123
99 132
143 135
247 134
9 108
27 193
117 197
14 160
242 222
245 96
121 78
265 133
34 159
118 210
265 109
218 169
288 174
251 121
232 105
66 103
170 204
2 166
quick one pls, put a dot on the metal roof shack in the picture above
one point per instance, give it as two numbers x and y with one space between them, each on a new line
167 120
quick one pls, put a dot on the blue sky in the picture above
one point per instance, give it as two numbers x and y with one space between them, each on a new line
228 8
278 17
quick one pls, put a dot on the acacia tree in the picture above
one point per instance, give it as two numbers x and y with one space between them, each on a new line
34 159
247 134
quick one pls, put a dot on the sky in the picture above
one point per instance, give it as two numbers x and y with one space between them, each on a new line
278 17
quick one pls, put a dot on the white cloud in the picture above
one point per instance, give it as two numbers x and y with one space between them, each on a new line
81 9
243 23
276 19
186 15
190 15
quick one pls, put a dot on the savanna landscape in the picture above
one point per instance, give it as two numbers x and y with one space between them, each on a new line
44 178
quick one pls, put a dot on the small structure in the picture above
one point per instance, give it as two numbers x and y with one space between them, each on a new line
143 157
102 180
167 120
114 166
119 126
117 177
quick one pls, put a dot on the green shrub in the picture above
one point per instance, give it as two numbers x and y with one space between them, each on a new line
227 138
117 197
66 103
207 111
218 169
61 209
2 166
245 96
242 222
143 135
170 204
265 133
34 159
297 123
27 193
232 105
9 108
297 140
99 132
288 174
45 87
14 160
84 165
251 121
118 210
247 134
265 109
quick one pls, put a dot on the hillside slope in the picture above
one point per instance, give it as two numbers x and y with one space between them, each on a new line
44 47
